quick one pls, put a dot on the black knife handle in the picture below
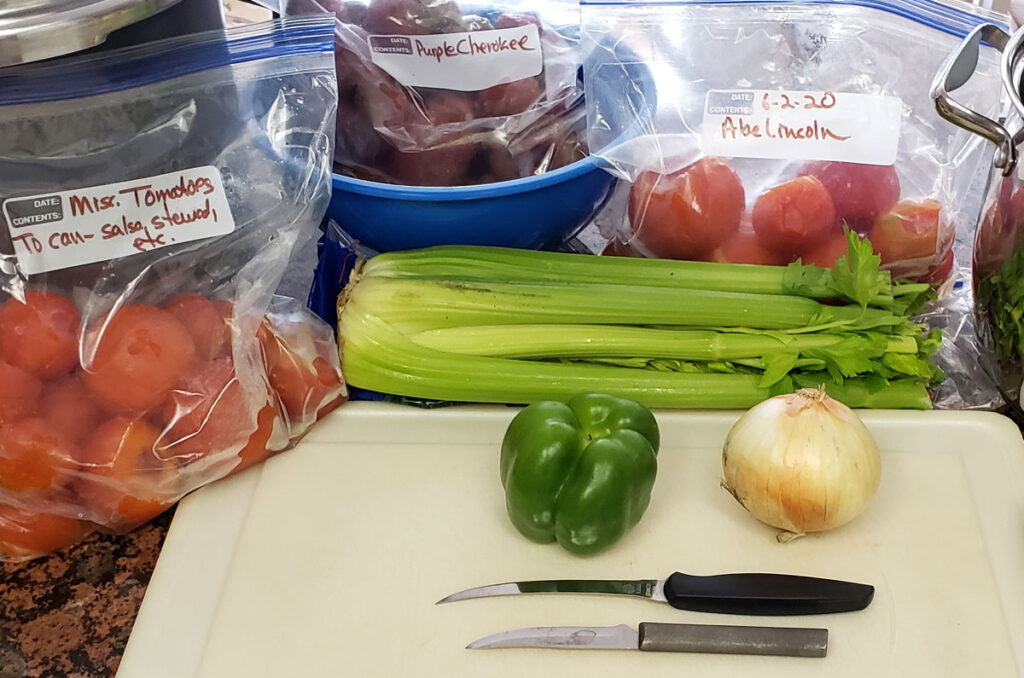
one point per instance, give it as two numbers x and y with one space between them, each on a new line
765 594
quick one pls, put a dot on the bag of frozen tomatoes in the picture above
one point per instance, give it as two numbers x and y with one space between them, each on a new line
152 200
778 123
445 93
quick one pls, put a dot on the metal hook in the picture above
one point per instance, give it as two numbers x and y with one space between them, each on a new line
957 71
1013 73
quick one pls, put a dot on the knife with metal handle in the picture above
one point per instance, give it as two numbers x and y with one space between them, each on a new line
654 637
745 593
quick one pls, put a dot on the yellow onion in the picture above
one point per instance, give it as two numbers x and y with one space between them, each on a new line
802 462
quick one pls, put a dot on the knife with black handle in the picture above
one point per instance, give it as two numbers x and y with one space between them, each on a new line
742 593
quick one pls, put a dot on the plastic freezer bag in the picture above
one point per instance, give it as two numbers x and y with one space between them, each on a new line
778 122
151 202
439 93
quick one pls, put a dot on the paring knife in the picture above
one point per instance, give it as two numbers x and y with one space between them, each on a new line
746 593
652 637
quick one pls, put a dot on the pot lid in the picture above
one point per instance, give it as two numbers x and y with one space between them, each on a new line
31 30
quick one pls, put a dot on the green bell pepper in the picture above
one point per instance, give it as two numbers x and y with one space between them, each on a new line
580 472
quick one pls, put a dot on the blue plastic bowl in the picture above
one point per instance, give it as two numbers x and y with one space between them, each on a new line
531 213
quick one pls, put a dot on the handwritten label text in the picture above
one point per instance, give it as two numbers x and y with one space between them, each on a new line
469 46
739 128
465 62
100 223
792 125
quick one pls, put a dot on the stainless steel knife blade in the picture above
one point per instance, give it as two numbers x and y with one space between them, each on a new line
619 637
652 589
657 637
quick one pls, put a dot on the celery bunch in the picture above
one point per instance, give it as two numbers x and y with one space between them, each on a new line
485 324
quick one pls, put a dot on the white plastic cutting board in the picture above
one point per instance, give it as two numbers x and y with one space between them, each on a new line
327 560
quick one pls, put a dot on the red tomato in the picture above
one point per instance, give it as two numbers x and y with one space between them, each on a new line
509 98
1004 198
19 393
939 273
386 103
687 214
827 253
24 534
357 142
444 166
515 20
33 455
41 334
1015 210
909 231
307 385
195 392
255 449
744 248
121 477
995 240
413 17
794 217
493 162
205 324
1001 228
138 353
206 413
443 108
860 193
227 313
394 17
225 308
68 406
989 243
444 158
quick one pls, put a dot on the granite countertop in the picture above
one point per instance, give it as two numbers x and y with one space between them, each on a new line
69 615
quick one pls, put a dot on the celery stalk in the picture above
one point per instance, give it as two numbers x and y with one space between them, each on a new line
376 356
509 265
414 305
612 341
493 325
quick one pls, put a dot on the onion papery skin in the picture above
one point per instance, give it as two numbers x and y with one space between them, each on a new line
801 462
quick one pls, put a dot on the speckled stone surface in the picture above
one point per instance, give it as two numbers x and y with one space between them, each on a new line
69 615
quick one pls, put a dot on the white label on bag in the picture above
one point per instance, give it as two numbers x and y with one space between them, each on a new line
860 128
71 228
467 62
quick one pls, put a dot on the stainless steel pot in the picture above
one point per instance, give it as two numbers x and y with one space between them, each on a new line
33 30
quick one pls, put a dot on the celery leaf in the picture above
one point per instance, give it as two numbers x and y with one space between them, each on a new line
856 273
777 366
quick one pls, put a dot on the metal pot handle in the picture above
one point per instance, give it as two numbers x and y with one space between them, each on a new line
1013 75
957 71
